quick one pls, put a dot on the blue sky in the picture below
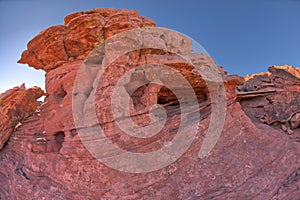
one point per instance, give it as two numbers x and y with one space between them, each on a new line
244 36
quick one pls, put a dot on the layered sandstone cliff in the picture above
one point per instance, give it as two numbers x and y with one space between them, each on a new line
43 155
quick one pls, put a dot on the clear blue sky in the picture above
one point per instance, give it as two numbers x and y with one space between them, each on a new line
245 36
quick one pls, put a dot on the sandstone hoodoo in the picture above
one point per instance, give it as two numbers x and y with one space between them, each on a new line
44 155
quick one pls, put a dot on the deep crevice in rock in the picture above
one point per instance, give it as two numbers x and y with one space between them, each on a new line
59 137
60 93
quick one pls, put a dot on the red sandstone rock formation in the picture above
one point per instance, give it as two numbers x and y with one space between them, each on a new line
45 158
16 105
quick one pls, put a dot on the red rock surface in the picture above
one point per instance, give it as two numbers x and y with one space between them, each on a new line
81 33
45 158
15 106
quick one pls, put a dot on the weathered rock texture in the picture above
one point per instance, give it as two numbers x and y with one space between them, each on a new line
273 97
15 106
45 158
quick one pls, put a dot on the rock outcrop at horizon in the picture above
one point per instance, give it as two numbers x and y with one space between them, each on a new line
16 105
42 155
273 97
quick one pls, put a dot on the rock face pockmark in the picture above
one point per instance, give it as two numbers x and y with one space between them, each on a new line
45 159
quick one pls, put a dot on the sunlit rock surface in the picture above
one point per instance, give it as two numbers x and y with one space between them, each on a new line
256 157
